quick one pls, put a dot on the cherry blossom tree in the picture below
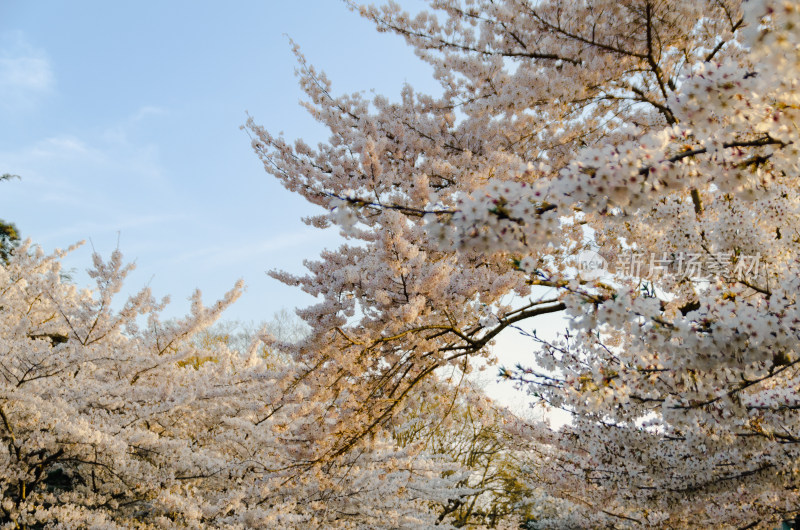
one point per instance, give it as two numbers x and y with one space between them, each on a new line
111 417
657 135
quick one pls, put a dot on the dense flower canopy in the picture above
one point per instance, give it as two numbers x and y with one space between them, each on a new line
660 136
113 418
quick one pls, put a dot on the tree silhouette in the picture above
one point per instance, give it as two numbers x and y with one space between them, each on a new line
9 234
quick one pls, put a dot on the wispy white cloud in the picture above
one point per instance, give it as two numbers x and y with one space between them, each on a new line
61 147
116 224
68 162
120 133
219 255
26 74
147 110
76 186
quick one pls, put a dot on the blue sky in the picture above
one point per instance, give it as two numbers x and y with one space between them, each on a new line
122 118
